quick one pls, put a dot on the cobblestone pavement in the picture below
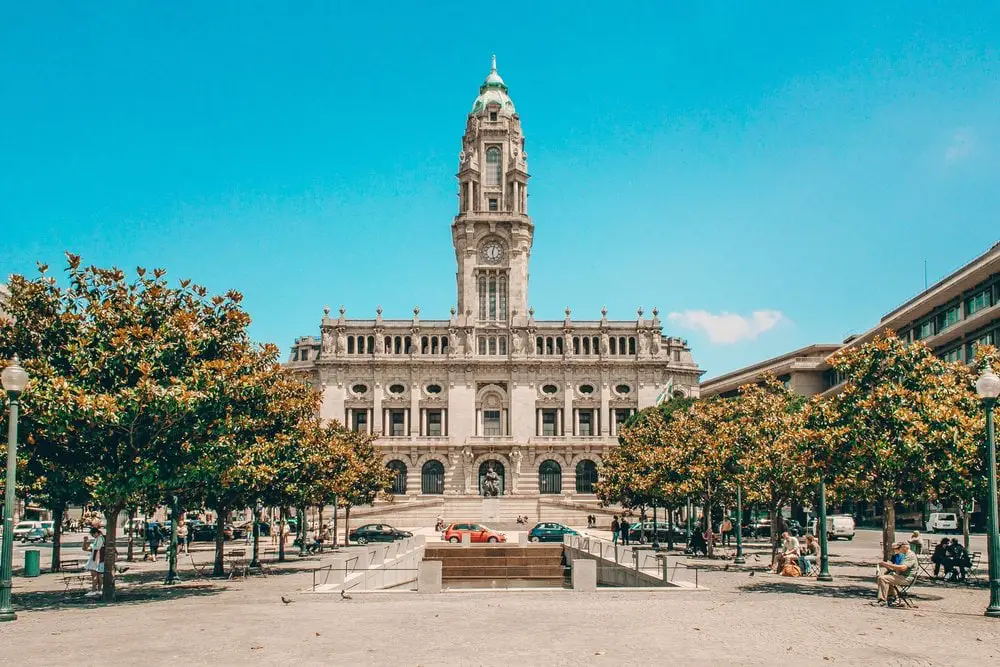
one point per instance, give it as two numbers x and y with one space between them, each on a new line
763 619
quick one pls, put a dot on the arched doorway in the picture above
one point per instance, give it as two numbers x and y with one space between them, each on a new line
549 477
398 469
498 469
432 477
586 476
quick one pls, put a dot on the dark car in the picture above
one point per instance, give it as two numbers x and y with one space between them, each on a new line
663 531
205 532
377 532
549 532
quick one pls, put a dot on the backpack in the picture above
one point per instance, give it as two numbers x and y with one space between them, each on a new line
791 570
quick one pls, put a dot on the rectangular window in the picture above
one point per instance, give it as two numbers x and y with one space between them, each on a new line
548 422
621 414
978 302
434 423
360 421
503 298
953 355
926 329
493 345
502 341
396 423
482 297
303 355
493 115
949 317
586 423
494 204
491 422
493 298
482 345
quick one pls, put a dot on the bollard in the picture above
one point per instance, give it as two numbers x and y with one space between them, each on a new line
584 574
429 576
522 539
337 570
466 539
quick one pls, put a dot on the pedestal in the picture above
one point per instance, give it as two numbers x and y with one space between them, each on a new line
491 510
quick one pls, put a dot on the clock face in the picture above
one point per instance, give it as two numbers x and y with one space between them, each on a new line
493 253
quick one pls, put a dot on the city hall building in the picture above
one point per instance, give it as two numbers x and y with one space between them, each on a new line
537 400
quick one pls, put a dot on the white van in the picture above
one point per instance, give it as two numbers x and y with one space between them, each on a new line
837 526
942 521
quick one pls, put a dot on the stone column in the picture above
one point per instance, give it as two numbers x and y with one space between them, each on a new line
479 421
504 430
605 403
350 421
559 427
406 421
377 409
386 422
369 427
415 413
576 422
423 421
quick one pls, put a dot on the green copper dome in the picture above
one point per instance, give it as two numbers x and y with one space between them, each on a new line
494 90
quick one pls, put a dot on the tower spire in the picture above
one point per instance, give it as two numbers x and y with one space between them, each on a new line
493 63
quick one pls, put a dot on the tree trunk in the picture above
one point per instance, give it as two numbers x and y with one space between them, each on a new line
888 528
129 556
57 519
219 566
281 534
110 552
334 531
347 526
319 524
966 517
706 515
776 531
670 529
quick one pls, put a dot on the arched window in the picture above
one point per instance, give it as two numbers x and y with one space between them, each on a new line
432 477
493 298
613 345
559 345
548 345
631 344
549 477
350 345
576 344
586 476
493 166
586 346
444 344
371 345
621 345
497 468
434 344
399 481
361 344
596 345
538 345
406 343
399 345
388 344
423 345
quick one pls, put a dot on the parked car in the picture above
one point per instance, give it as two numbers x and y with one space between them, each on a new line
794 527
35 535
837 526
205 532
942 522
636 531
247 529
377 532
759 528
50 528
549 532
24 527
479 533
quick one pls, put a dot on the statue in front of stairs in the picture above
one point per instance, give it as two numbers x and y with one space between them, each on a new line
491 483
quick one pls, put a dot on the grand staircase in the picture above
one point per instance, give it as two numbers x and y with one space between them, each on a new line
499 566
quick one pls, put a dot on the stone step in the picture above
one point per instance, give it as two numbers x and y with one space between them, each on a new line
500 572
505 561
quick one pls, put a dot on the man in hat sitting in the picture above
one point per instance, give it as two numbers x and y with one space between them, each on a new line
896 575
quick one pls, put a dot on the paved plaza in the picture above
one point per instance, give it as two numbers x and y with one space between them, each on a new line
763 619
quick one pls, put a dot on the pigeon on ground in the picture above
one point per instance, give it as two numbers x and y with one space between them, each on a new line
286 600
751 573
726 568
345 596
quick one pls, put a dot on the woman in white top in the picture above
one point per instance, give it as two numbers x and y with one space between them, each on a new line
95 564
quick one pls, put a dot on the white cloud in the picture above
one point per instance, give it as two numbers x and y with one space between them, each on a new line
728 328
962 143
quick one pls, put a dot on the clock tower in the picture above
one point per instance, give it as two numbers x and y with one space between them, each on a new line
492 232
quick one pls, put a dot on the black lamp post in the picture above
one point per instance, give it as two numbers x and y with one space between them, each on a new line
824 553
988 388
14 380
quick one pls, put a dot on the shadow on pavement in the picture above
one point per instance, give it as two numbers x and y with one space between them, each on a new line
54 600
833 590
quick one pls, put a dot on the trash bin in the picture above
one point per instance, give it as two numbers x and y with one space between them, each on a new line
32 558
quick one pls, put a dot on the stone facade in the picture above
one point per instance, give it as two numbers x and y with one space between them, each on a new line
538 400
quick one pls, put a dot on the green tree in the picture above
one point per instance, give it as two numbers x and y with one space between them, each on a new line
907 424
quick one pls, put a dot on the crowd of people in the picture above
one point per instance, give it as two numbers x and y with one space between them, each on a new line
952 556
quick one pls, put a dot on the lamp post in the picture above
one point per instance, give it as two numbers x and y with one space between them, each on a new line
988 388
14 380
824 556
739 560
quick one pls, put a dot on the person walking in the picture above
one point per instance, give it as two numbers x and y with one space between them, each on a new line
95 564
614 530
182 534
153 538
726 530
623 528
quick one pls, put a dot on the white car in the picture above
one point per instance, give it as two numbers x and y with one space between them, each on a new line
837 526
24 527
50 527
942 521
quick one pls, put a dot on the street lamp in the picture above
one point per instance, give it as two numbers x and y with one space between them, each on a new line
14 380
988 388
824 554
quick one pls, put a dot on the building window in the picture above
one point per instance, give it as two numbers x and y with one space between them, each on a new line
586 422
482 345
493 298
483 312
360 421
502 342
396 389
613 345
491 422
978 302
433 389
621 414
493 115
432 478
586 389
434 423
949 317
982 340
350 345
396 423
623 388
538 345
586 476
494 204
493 345
631 345
399 480
503 297
497 468
925 330
549 477
953 355
586 346
549 389
492 166
548 423
359 389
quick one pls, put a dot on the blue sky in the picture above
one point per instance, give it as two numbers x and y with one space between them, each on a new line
772 174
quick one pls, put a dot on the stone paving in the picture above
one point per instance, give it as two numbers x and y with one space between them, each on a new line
760 619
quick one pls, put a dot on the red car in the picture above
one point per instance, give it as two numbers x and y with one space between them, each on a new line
479 533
